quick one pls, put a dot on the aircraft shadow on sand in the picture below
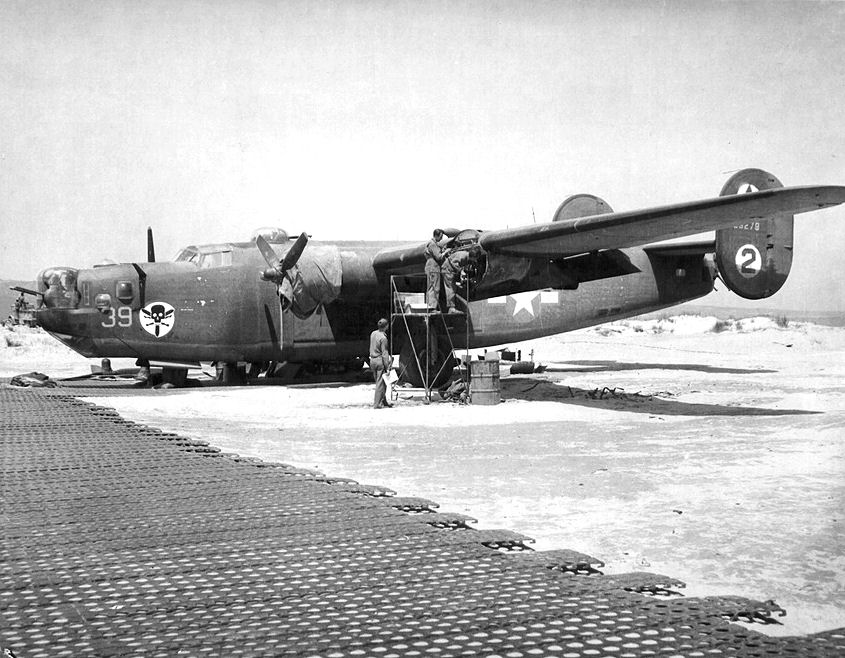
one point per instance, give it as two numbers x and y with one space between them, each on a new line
524 388
619 366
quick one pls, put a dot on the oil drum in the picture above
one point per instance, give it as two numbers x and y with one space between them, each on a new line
484 382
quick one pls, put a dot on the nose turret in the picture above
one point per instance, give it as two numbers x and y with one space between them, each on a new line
58 287
59 310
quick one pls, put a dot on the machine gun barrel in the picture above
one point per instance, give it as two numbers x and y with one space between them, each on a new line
27 291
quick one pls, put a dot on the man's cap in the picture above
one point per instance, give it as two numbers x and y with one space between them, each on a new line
382 324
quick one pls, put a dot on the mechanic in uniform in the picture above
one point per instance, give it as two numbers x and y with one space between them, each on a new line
453 266
380 362
433 260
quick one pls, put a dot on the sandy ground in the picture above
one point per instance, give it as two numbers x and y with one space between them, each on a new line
718 460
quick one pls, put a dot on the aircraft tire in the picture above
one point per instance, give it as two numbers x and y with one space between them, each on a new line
522 367
439 367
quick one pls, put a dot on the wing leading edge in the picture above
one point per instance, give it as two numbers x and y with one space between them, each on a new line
618 230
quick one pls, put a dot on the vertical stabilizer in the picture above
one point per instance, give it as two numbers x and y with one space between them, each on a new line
754 258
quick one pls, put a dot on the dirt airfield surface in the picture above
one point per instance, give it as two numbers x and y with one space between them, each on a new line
712 453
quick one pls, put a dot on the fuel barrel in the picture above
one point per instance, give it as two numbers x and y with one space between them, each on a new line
484 382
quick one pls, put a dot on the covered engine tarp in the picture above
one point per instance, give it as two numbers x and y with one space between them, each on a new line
316 279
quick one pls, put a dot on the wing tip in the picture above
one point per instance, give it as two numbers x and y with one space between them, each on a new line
833 194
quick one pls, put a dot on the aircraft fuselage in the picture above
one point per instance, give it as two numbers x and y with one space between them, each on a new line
218 309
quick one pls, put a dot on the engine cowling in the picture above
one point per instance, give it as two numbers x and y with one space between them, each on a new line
754 258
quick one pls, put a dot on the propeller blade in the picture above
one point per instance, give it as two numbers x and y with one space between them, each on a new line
151 250
267 251
142 285
294 252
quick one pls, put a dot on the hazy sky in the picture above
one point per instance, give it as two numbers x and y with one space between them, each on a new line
381 120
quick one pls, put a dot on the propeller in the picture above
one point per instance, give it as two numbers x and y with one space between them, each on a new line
142 285
142 275
151 249
279 268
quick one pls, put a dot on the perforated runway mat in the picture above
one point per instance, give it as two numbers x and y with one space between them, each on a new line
122 540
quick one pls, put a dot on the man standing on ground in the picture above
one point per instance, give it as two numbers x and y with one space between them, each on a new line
380 362
433 260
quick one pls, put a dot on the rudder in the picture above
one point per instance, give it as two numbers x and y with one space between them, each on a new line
754 258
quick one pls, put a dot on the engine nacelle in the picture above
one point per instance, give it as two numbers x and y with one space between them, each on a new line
754 258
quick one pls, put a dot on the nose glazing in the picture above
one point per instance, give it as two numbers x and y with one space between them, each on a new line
58 285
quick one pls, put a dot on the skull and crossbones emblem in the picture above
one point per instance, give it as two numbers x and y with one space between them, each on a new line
157 318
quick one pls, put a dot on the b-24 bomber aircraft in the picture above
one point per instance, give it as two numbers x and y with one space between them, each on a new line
276 300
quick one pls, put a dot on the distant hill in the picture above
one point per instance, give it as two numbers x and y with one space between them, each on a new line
829 319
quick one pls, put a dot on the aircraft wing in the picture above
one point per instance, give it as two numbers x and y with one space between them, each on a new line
618 230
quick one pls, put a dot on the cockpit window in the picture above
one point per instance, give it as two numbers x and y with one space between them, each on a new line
206 257
187 255
215 259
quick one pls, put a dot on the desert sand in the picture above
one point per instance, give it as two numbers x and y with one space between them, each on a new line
708 451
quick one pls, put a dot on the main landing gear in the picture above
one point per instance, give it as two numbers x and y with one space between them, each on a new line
426 363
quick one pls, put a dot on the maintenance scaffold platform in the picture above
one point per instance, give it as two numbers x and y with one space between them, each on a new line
121 540
425 338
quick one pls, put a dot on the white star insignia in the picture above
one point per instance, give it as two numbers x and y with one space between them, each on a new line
524 300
